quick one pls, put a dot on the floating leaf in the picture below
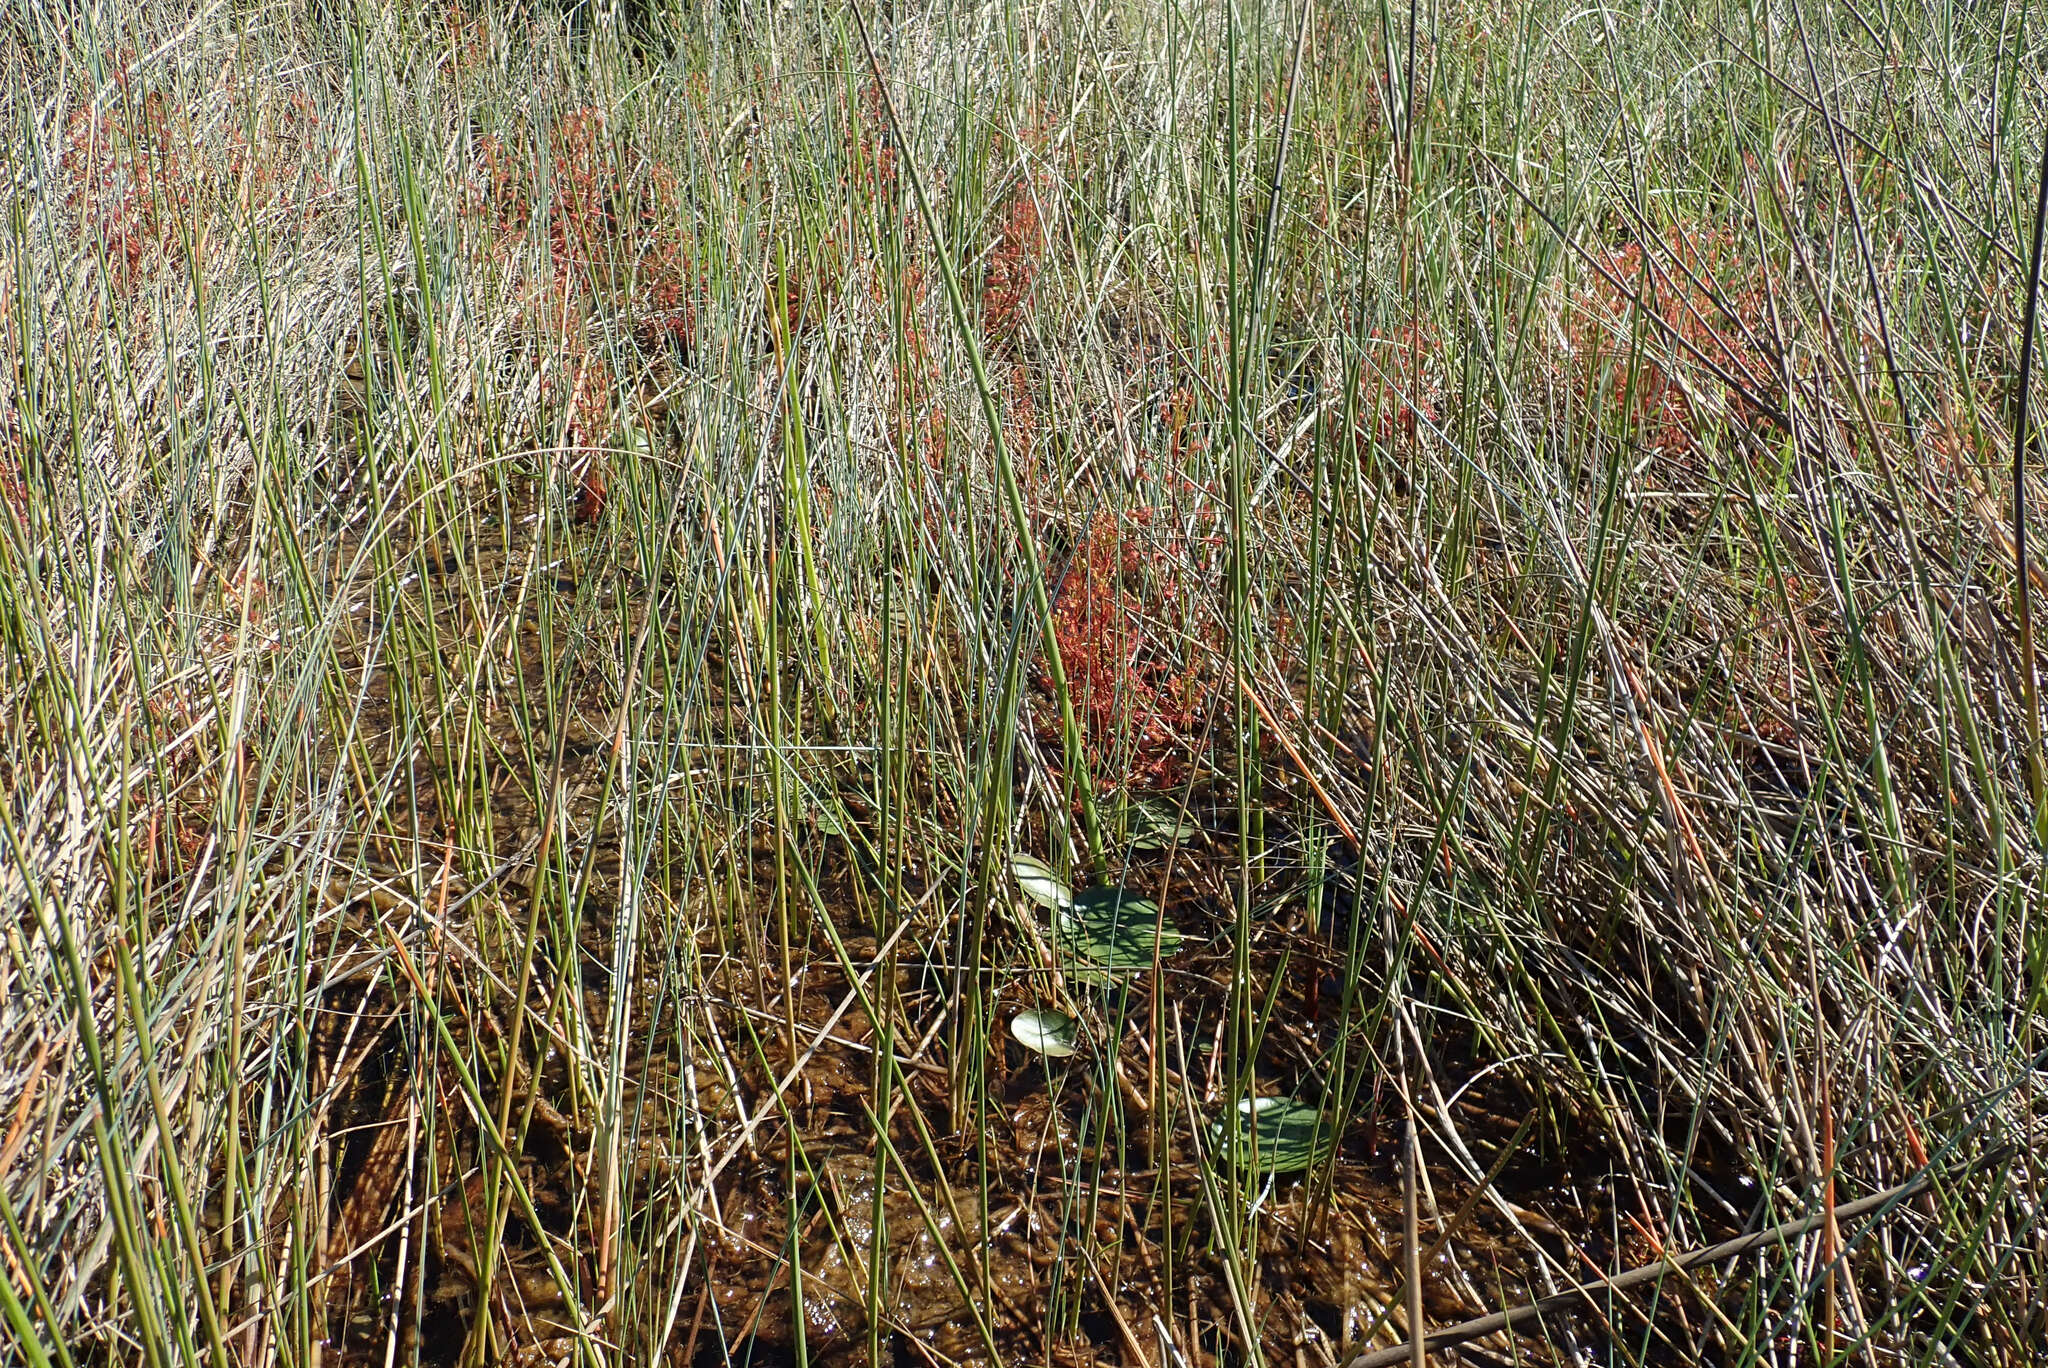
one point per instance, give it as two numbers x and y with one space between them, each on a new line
635 439
1289 1136
1114 930
1040 884
830 819
1157 826
1051 1034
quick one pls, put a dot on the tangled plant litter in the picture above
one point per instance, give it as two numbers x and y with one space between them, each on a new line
681 691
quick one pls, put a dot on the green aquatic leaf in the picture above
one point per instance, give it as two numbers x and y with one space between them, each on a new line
830 819
1040 884
1285 1135
632 438
1052 1034
1160 826
1113 930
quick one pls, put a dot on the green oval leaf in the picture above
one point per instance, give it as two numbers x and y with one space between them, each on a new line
1281 1135
633 438
1040 884
1158 826
1114 930
1052 1034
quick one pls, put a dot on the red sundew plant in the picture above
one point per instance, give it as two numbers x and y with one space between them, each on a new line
1410 392
874 167
583 230
592 493
1114 608
589 396
1013 265
918 419
126 181
1685 286
616 242
669 282
1186 436
469 39
136 172
501 195
13 489
615 222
